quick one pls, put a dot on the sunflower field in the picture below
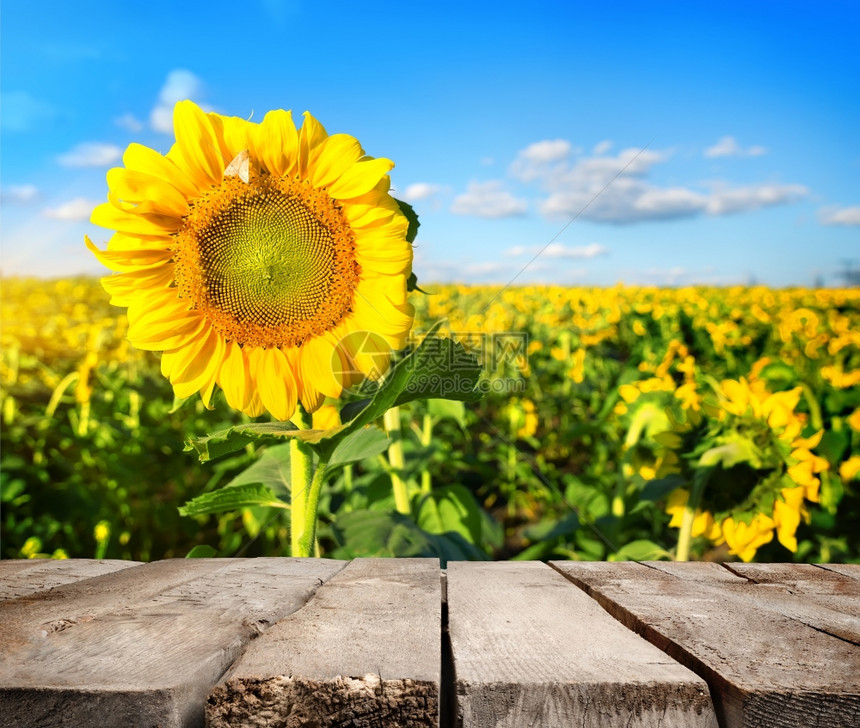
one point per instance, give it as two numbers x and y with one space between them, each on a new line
619 423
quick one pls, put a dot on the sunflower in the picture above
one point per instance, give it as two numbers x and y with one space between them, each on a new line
249 254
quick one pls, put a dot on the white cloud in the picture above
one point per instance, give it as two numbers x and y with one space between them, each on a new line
844 216
602 147
728 146
616 189
19 194
560 250
741 199
419 191
90 154
537 159
668 202
78 209
179 85
488 199
550 150
130 122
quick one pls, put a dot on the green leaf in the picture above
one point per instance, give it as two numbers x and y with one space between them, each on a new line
412 285
832 491
235 438
359 445
437 368
656 489
178 404
271 470
201 552
834 442
738 450
377 534
779 374
452 509
641 550
412 216
229 499
447 409
551 529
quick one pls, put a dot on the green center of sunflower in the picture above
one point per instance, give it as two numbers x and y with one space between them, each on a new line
271 262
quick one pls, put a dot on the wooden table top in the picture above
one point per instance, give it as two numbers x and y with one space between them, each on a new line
400 642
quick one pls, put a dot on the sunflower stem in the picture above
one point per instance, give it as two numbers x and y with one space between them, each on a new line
301 472
391 421
426 441
686 534
308 541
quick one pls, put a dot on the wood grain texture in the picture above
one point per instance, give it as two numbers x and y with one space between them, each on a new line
20 577
817 598
364 652
757 645
852 571
530 649
142 646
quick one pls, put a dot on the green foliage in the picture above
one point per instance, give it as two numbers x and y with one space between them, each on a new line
557 460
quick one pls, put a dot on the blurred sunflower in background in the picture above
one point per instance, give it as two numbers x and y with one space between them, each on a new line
250 252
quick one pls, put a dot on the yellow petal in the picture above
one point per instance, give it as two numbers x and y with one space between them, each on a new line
197 147
276 384
311 136
125 288
140 188
277 143
786 516
316 357
121 241
201 375
326 417
126 261
369 354
336 155
231 133
235 377
255 407
396 264
850 469
809 442
186 362
378 314
147 161
372 207
360 178
161 322
108 216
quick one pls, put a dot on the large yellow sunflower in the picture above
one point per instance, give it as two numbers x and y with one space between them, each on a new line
249 254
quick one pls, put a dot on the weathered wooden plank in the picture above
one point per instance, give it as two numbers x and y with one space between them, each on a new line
764 668
364 652
20 577
805 577
828 596
530 649
828 602
852 571
142 646
707 572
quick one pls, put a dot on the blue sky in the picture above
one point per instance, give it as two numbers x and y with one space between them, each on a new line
687 142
